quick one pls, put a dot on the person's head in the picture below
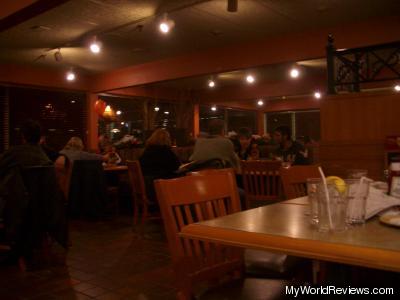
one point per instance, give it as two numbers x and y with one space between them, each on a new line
160 137
31 132
282 134
244 136
216 127
75 143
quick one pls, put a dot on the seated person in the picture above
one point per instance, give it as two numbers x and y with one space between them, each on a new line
289 150
13 196
29 153
246 145
158 161
51 153
73 150
216 146
112 156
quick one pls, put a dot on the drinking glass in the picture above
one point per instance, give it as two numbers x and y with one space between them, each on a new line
357 200
312 187
332 205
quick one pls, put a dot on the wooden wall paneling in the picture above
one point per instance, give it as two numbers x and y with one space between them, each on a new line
353 129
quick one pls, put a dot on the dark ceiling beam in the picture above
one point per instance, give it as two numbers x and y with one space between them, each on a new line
156 93
275 50
18 11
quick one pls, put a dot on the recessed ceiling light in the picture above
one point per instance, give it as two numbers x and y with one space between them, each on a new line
211 83
317 95
260 102
294 73
166 24
70 76
73 101
156 108
250 78
118 112
166 112
122 123
213 108
397 88
95 46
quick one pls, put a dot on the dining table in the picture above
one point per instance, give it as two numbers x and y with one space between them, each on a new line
285 227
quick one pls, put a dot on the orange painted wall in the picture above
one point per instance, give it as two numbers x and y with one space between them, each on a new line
41 77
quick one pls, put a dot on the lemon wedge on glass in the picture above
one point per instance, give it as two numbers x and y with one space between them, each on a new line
339 183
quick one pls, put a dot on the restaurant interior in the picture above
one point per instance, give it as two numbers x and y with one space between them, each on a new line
110 75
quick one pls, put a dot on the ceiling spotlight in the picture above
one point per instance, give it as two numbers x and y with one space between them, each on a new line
73 101
156 108
260 102
294 73
397 88
95 46
211 83
58 56
213 108
166 24
70 76
317 95
250 78
122 123
118 112
166 112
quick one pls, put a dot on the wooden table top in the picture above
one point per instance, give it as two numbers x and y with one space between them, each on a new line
284 227
115 168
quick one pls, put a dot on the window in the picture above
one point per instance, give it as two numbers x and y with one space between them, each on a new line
61 114
234 118
304 124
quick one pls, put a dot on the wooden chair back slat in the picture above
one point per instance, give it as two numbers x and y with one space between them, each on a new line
294 180
261 180
139 194
192 199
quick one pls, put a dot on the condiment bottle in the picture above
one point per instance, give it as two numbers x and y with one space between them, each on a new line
394 179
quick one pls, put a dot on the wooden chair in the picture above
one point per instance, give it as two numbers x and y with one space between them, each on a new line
140 201
261 181
191 199
294 180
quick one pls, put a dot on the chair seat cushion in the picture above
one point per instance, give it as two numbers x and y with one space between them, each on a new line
269 264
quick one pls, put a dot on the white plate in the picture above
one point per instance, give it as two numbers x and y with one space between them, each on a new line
391 219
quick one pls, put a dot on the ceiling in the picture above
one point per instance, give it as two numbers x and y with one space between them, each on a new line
128 29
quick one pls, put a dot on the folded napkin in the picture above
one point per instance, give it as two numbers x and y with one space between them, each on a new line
378 201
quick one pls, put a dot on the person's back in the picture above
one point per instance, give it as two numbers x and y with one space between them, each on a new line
159 161
29 153
215 146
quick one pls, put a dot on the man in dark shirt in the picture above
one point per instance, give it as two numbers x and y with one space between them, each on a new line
29 153
289 150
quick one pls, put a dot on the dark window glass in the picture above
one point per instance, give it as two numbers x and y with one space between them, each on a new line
308 125
275 120
241 118
206 115
61 114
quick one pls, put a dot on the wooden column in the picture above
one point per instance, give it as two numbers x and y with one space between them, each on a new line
260 122
91 122
196 120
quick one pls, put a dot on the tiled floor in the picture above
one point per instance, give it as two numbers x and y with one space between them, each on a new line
107 260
